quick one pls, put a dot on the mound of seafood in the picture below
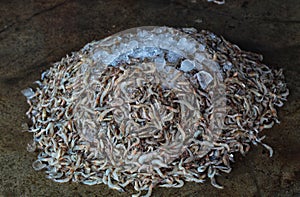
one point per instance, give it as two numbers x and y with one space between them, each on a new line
151 106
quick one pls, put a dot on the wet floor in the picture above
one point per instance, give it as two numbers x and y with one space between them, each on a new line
34 34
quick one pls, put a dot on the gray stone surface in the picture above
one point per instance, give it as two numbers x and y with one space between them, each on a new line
35 33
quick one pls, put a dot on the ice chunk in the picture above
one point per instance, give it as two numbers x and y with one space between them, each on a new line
227 66
200 57
201 47
146 52
204 79
99 55
29 93
84 67
122 58
159 30
190 30
133 44
187 66
110 58
139 53
182 43
173 57
143 33
44 74
198 66
160 63
190 48
154 51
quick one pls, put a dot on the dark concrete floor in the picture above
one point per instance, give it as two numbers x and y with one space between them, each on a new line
34 34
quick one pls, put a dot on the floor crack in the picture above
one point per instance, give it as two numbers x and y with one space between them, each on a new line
7 27
46 10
